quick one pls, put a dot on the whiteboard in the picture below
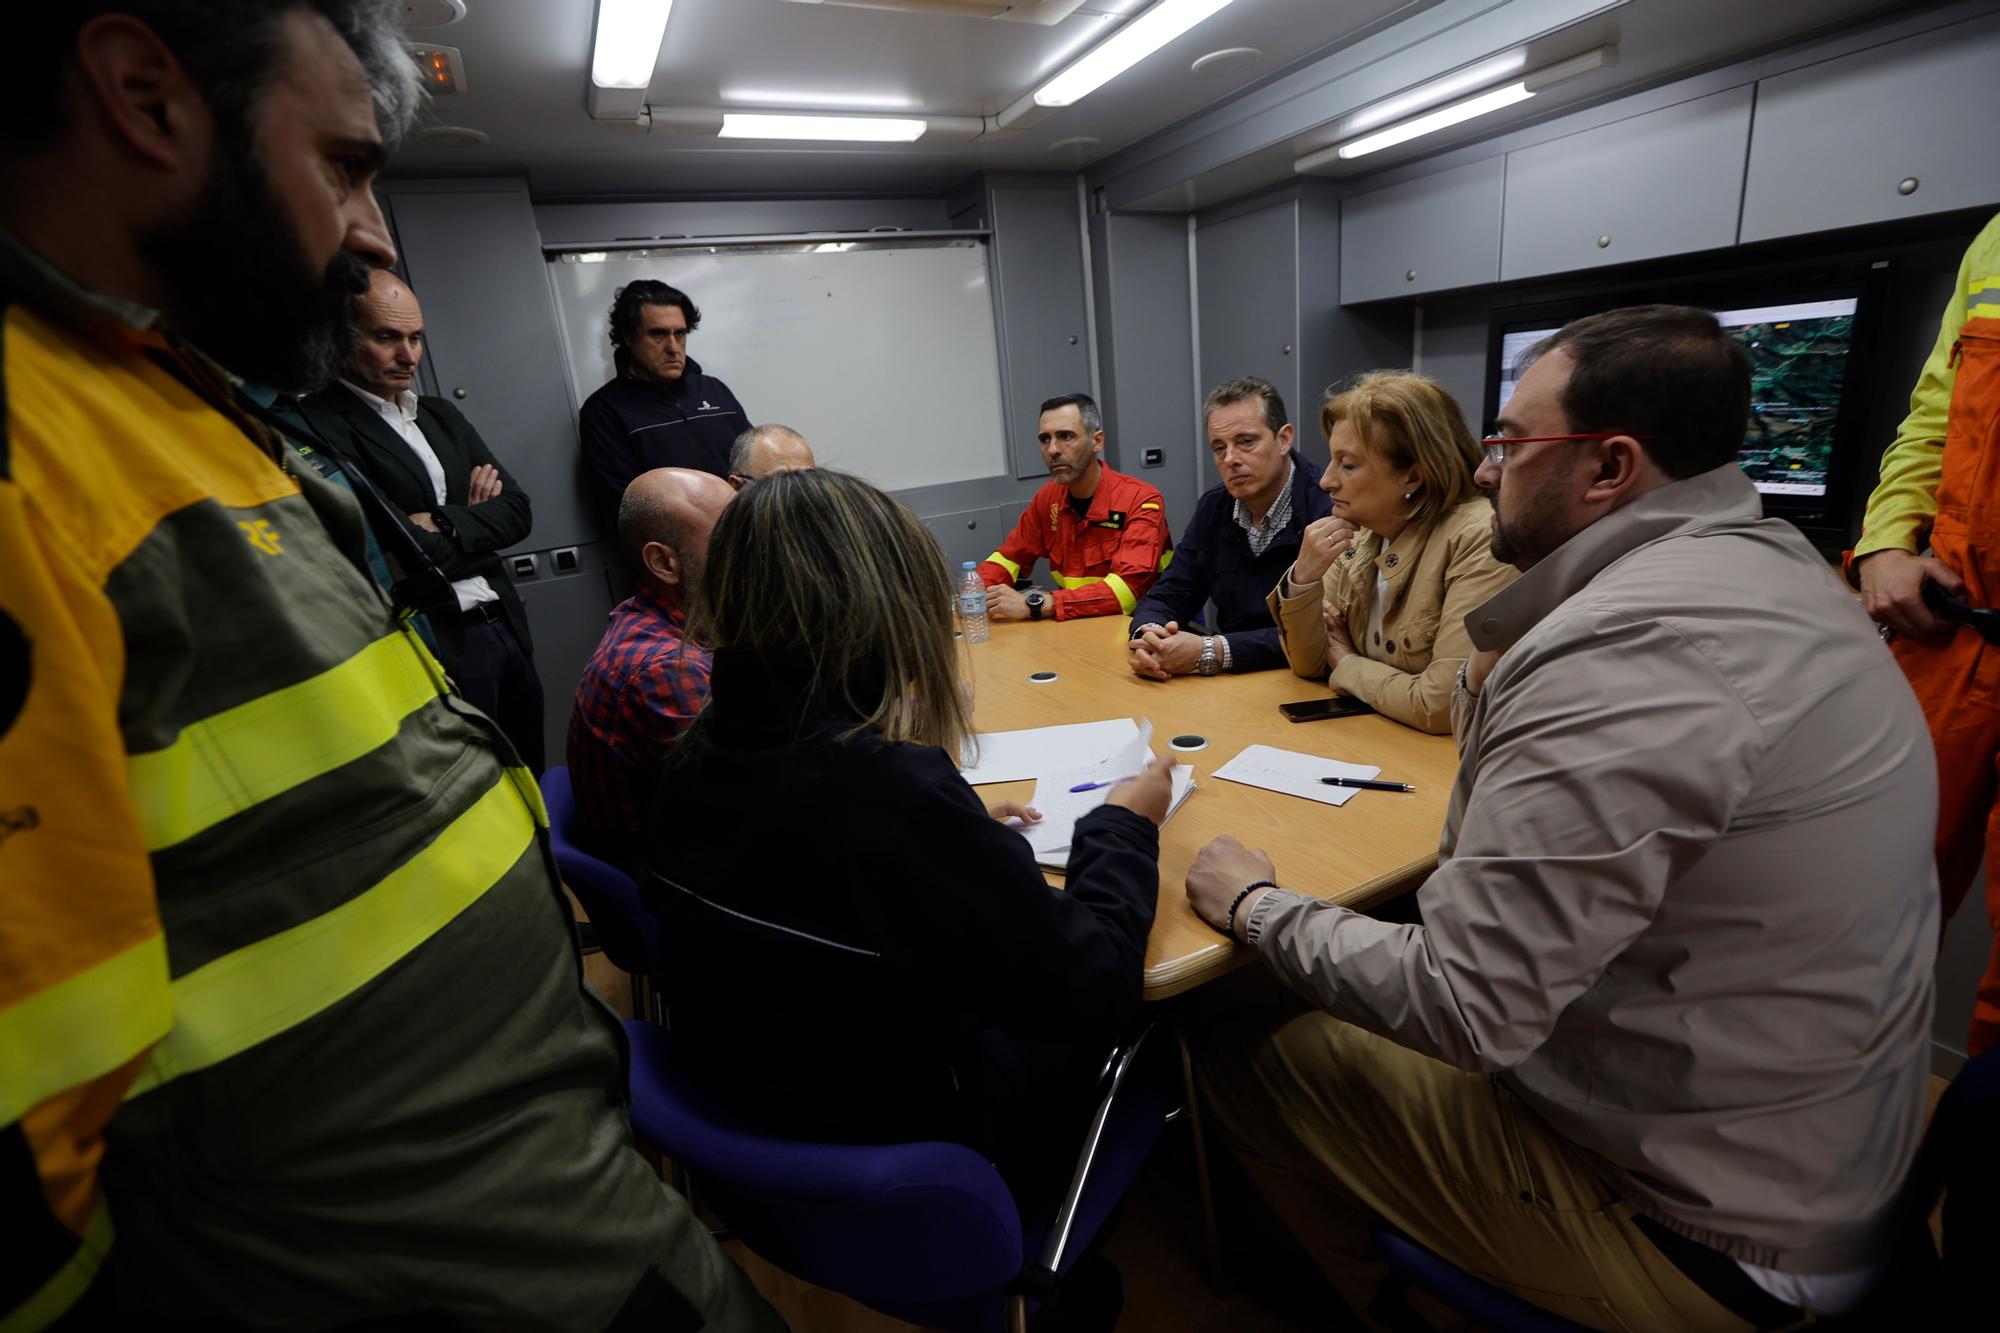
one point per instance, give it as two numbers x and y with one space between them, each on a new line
882 354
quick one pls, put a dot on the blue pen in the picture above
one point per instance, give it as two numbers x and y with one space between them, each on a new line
1093 786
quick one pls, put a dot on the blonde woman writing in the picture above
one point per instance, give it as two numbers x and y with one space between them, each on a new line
855 949
1378 595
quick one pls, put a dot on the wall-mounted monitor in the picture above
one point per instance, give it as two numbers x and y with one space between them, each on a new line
1807 336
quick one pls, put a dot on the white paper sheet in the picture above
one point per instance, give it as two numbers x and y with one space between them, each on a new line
1061 808
1294 774
1014 756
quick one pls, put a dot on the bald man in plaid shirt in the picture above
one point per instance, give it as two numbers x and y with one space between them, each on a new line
647 677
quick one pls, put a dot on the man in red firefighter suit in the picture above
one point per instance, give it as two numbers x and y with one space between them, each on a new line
1941 485
1104 533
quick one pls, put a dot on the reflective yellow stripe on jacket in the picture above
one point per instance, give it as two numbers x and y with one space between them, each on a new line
66 1286
1119 587
245 997
243 756
1982 298
83 1027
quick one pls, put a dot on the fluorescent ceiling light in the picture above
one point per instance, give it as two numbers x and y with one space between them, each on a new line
1506 95
1470 79
866 129
1433 121
831 101
628 42
1123 49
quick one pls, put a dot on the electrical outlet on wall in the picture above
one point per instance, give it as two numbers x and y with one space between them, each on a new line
1152 458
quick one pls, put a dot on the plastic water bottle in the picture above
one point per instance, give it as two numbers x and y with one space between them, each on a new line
972 602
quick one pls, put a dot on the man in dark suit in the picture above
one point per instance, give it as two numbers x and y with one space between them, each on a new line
463 507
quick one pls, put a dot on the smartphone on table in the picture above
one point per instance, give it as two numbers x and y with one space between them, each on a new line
1318 710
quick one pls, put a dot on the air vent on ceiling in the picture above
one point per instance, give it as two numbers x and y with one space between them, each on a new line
432 13
450 136
1016 11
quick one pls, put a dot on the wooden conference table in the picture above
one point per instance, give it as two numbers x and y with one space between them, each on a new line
1377 845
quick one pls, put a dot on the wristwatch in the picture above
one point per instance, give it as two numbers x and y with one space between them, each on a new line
1037 599
1210 661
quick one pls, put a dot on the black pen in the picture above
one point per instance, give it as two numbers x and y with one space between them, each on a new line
1367 785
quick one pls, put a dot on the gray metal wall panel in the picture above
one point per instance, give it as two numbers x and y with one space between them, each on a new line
1038 261
566 614
1427 235
1664 183
970 534
1247 274
1335 342
475 263
1145 326
1454 349
1832 141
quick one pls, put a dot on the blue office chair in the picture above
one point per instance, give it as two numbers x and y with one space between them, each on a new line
925 1232
627 932
1491 1308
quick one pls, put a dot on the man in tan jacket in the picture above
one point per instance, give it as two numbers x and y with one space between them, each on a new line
1656 1055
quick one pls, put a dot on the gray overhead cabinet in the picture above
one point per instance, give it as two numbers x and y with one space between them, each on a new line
1876 134
1663 183
1431 234
1040 297
1891 132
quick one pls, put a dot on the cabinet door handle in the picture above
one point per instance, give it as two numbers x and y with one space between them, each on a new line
1604 242
1907 185
1411 276
1072 340
458 393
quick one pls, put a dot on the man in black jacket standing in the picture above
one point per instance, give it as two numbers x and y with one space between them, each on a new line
463 507
1243 537
660 410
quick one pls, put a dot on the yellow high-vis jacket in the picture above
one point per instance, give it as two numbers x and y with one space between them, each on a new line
289 998
1905 500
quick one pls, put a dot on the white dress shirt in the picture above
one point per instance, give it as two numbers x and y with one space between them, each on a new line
401 414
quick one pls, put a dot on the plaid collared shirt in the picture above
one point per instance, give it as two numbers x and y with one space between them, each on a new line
1261 535
642 685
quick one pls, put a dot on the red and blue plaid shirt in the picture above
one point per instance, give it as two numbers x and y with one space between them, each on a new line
642 685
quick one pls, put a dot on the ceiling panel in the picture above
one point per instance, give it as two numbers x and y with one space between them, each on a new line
527 65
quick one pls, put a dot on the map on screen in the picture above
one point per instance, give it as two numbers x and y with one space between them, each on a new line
1798 361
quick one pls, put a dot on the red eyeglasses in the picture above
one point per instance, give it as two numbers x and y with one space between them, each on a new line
1496 446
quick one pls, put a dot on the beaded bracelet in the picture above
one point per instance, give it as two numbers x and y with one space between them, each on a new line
1230 930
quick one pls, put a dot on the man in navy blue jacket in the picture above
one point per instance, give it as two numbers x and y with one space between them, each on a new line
1242 539
660 410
